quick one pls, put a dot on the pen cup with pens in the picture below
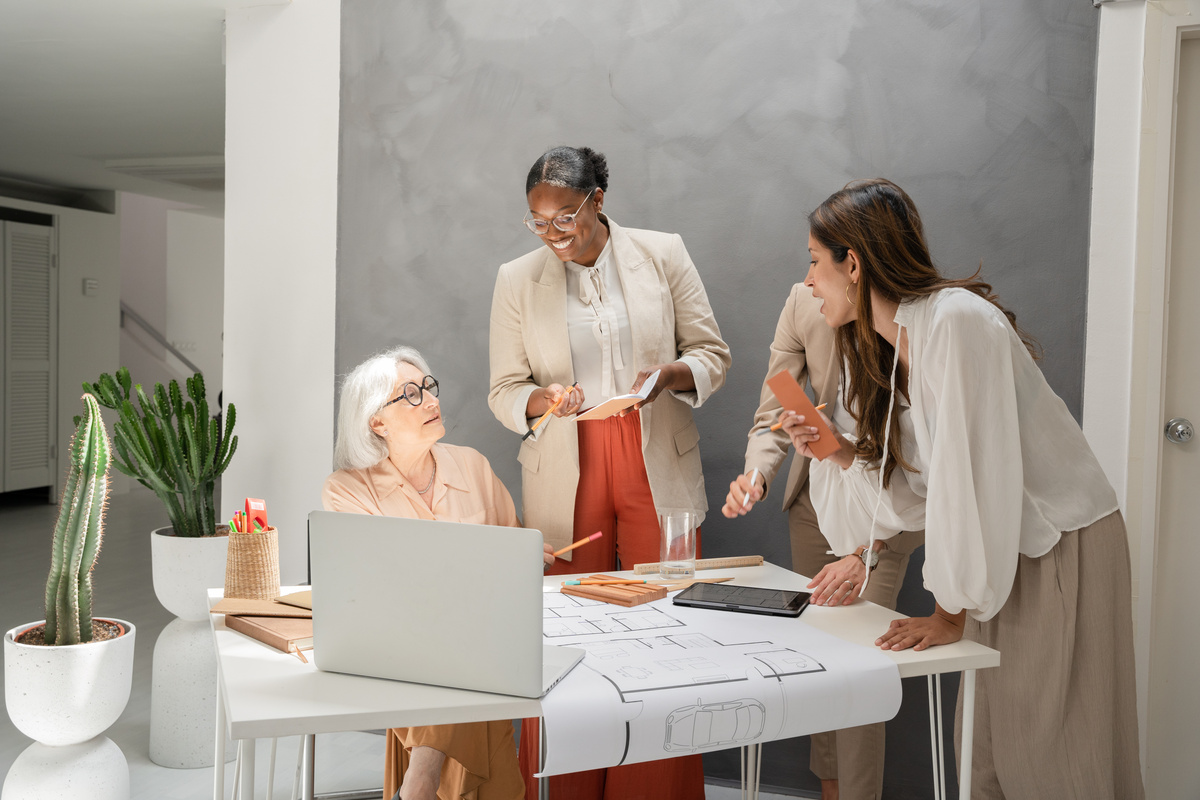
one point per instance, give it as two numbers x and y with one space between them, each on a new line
677 553
252 568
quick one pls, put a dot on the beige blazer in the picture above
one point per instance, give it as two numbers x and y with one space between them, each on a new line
669 318
805 346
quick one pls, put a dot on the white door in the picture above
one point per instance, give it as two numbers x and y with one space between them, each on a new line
30 342
1173 737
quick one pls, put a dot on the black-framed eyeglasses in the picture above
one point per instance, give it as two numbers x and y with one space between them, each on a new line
565 222
414 393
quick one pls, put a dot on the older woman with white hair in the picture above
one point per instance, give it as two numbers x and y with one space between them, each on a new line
390 462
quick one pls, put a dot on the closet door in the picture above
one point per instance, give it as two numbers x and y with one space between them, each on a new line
30 354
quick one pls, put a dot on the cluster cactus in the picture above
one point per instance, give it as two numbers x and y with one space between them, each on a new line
78 531
170 445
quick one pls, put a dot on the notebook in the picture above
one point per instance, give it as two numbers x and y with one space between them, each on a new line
442 603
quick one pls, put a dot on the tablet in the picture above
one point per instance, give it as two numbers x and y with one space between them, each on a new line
748 599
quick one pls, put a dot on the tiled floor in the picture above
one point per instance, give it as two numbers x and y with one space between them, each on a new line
123 588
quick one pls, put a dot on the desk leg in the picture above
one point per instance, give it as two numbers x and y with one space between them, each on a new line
544 781
968 735
308 766
934 685
219 749
751 769
246 757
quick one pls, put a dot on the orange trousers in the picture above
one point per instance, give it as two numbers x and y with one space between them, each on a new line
613 496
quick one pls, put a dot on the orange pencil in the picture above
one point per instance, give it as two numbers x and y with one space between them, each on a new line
580 543
549 411
596 582
779 425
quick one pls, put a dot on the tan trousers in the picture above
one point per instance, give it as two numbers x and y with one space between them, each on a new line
1058 718
854 756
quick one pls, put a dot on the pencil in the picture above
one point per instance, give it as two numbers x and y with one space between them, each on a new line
753 478
549 411
594 582
580 543
779 425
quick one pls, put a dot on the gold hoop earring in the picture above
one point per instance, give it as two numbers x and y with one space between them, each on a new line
848 300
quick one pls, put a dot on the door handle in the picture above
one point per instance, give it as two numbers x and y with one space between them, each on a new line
1179 431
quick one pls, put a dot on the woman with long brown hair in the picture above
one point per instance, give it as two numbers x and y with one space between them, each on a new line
1025 549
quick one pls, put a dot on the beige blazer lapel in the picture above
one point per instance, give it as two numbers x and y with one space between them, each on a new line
643 300
549 312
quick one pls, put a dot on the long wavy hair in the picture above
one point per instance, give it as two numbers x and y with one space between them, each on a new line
879 222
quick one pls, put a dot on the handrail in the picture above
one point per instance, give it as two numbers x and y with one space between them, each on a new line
126 311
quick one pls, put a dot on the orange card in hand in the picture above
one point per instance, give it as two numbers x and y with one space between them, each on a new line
792 397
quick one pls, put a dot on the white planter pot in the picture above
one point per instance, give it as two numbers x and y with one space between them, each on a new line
93 770
70 694
183 697
185 568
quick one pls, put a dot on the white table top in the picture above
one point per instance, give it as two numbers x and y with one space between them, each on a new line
268 693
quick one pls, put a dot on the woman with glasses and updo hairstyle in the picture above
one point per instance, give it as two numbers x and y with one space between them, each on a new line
1025 548
390 462
589 315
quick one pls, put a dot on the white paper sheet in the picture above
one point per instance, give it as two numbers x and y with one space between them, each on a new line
622 401
661 680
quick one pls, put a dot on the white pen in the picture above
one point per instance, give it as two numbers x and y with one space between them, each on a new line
753 478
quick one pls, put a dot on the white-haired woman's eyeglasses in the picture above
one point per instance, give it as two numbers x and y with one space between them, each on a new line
415 394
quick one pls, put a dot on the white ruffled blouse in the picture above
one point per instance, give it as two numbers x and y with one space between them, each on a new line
1003 468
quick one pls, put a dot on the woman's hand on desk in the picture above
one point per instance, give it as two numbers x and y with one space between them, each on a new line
742 495
920 633
837 584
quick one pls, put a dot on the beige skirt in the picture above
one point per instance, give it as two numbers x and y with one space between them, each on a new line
1058 717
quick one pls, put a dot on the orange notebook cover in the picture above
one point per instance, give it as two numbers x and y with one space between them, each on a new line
282 633
792 397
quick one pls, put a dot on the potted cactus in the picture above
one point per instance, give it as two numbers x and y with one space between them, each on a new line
67 678
173 446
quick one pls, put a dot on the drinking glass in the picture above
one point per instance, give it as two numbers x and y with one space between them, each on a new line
677 554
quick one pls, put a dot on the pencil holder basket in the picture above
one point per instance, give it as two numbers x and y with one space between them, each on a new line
252 568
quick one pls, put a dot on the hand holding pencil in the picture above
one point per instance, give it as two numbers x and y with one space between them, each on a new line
744 491
567 400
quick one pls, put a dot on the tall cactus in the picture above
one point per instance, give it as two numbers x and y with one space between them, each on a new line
78 531
170 446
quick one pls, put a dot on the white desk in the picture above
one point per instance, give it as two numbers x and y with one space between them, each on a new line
265 693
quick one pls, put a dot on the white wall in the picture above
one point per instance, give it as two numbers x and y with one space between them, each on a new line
281 133
195 304
88 327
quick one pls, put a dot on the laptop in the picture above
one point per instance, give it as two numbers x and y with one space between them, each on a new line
442 603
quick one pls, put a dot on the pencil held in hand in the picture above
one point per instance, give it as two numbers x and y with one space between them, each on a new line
549 411
580 543
779 425
543 417
753 479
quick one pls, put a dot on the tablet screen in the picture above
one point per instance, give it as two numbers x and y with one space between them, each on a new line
753 599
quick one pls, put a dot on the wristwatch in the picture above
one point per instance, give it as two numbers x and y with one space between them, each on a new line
869 557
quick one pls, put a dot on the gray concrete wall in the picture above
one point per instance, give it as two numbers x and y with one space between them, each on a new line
725 122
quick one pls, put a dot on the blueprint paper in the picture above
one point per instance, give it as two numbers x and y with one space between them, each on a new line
661 680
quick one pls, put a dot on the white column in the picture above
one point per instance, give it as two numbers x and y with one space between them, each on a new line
1108 365
281 137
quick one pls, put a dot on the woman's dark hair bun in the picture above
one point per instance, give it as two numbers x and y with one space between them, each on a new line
578 168
599 166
